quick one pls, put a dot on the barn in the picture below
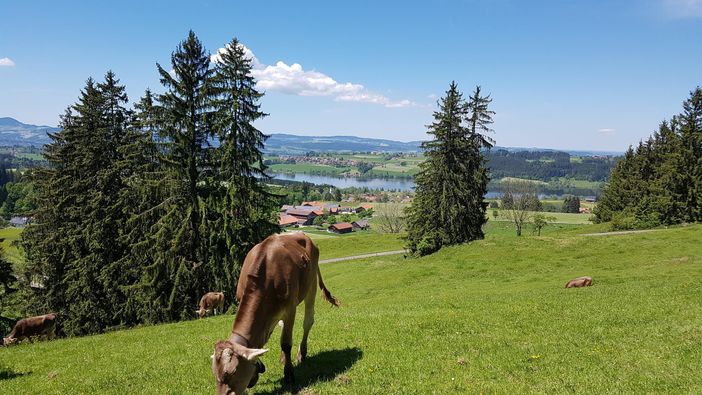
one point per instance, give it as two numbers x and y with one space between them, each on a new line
341 227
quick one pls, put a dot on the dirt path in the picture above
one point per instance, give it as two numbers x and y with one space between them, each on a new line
348 258
622 232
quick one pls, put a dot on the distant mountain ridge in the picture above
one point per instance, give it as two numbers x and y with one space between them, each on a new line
294 144
16 133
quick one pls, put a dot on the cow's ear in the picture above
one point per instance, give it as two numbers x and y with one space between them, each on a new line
252 354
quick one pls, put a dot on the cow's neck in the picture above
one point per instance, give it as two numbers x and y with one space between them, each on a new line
250 324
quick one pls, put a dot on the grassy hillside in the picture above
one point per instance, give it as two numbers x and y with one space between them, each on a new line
490 317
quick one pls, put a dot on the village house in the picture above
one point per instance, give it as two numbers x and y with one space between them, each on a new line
361 224
287 220
341 227
363 208
332 208
304 217
19 222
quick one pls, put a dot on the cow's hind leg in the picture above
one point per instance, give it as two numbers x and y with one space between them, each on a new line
286 345
307 325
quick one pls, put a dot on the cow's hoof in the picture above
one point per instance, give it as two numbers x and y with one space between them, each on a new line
301 356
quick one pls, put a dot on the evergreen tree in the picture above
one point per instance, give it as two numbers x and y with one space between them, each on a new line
448 207
571 204
243 212
691 142
660 182
178 241
73 244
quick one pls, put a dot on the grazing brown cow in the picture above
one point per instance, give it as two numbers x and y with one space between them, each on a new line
42 325
210 301
579 282
277 275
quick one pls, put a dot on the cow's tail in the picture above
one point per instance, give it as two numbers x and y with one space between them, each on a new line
325 292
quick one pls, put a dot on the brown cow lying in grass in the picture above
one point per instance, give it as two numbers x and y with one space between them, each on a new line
579 282
277 275
210 301
26 328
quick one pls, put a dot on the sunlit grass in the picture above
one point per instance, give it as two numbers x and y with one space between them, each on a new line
491 316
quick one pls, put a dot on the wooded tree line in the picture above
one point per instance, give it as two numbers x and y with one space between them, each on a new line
659 181
143 210
545 165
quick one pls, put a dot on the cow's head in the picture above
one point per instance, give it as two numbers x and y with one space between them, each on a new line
235 367
201 312
6 341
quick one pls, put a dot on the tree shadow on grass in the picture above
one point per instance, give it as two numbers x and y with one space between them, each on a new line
9 374
324 366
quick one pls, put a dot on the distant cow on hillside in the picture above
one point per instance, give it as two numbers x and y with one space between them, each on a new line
277 275
211 301
42 325
579 282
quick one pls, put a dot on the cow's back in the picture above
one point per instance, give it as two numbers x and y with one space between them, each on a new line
281 266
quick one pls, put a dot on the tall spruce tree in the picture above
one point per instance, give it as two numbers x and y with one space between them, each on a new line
180 246
245 210
448 207
691 142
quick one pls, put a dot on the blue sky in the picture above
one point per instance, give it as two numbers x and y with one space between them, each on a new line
563 74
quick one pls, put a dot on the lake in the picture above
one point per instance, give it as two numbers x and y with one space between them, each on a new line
387 184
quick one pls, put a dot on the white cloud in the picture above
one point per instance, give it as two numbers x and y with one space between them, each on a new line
607 130
295 80
6 62
683 8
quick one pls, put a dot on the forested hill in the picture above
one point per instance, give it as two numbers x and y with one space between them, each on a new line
545 165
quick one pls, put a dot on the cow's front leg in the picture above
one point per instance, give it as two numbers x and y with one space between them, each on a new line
286 346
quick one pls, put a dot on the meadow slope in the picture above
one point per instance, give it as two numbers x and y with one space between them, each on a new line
490 317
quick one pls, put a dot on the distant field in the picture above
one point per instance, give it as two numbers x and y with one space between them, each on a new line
12 253
515 179
487 317
307 168
382 167
562 218
581 183
332 245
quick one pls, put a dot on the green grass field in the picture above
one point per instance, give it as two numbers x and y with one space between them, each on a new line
488 317
561 218
12 253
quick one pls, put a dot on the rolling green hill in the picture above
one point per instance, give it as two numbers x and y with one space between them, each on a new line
490 317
